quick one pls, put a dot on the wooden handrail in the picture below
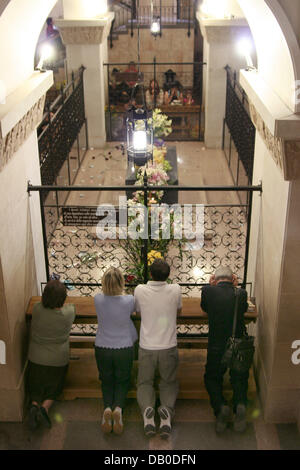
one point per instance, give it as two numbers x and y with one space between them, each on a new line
86 312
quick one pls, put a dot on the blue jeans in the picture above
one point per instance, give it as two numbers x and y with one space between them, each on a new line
114 366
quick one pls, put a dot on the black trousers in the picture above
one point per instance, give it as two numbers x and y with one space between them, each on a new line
114 366
213 379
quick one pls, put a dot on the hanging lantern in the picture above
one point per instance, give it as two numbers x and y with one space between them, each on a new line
139 135
155 26
138 122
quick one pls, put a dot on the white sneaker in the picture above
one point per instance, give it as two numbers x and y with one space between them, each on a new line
165 422
106 424
149 424
118 422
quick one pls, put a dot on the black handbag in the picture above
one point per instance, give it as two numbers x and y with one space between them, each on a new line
239 352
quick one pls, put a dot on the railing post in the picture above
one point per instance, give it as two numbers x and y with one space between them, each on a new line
178 9
50 134
82 69
223 136
247 238
154 74
160 19
145 244
234 79
111 34
133 15
73 80
45 243
109 110
189 18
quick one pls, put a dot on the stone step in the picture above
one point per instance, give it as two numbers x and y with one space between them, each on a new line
82 379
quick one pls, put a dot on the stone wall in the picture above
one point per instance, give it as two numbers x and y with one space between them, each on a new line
20 244
274 269
173 46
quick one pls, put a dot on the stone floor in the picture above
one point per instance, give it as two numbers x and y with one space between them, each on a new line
197 166
76 425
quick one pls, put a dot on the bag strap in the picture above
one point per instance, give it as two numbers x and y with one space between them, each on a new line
236 294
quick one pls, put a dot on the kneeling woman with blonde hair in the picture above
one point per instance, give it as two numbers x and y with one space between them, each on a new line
114 349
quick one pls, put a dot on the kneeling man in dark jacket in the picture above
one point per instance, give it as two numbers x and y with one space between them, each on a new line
218 301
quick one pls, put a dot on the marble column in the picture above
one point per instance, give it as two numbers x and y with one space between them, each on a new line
274 258
86 44
22 266
220 49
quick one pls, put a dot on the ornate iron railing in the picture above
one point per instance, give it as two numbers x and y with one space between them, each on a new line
181 15
59 129
74 251
241 131
79 257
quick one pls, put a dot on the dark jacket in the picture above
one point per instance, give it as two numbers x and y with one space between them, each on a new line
218 302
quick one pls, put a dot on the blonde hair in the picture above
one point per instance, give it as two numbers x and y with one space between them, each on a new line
113 282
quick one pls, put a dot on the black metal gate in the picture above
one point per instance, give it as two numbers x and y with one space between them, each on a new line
64 123
238 131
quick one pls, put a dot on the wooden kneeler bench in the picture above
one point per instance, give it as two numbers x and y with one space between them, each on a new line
82 379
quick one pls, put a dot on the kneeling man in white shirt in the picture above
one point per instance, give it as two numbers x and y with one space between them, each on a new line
158 303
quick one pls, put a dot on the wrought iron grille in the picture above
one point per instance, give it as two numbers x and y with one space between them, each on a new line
60 127
239 124
79 257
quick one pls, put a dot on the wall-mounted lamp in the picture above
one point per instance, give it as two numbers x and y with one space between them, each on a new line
215 9
46 52
245 48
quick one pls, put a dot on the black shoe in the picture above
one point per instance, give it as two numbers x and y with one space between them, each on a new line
44 418
149 424
240 423
33 421
222 419
165 422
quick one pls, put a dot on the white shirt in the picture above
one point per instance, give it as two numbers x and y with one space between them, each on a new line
158 303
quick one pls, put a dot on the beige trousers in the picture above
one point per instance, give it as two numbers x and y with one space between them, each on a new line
165 362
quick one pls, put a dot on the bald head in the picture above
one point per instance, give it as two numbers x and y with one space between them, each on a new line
223 274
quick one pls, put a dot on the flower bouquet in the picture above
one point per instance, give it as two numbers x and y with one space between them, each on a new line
162 126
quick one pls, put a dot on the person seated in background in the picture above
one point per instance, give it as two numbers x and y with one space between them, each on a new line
48 356
51 30
158 303
131 70
114 347
154 95
188 99
174 94
169 79
119 91
218 301
113 87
